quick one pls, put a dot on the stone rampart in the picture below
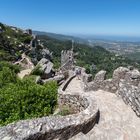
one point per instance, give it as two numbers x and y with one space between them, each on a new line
124 83
56 127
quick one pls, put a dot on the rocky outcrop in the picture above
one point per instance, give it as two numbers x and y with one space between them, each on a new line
100 77
45 53
46 68
38 54
38 51
58 78
25 62
14 44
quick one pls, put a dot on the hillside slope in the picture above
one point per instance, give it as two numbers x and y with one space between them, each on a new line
92 58
62 37
13 42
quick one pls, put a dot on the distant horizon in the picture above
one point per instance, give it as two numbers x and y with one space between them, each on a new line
100 36
74 34
78 34
107 37
107 17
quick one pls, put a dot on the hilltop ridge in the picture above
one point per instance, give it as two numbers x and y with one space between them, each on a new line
13 42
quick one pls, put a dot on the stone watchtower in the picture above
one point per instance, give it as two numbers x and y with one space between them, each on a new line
67 59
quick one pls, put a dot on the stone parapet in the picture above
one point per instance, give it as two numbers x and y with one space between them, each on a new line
56 127
125 83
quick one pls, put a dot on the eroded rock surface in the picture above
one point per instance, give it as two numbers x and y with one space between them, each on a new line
46 66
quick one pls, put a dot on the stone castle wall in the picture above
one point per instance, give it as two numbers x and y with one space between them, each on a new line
67 59
56 127
75 102
124 83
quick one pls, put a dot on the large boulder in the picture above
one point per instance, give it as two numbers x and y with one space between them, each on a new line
100 77
58 78
39 52
45 53
46 66
38 80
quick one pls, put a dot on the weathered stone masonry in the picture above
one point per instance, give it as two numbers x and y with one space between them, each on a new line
56 127
67 60
125 83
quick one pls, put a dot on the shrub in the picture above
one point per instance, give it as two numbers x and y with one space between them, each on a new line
26 99
14 68
7 76
37 71
23 99
64 111
26 39
88 71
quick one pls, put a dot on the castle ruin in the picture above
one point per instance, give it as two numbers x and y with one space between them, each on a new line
67 59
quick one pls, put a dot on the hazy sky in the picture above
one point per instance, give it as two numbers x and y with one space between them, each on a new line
107 17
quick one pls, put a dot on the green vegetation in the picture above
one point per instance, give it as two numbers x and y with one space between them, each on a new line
23 99
14 68
12 43
65 110
55 46
37 71
92 58
135 56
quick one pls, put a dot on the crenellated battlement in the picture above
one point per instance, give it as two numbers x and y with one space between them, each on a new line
124 83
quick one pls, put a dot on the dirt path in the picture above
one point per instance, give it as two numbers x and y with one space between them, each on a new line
117 120
29 66
23 73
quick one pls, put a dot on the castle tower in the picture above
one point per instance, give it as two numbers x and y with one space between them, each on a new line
67 59
72 45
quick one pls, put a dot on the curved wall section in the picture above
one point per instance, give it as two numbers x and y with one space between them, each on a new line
56 127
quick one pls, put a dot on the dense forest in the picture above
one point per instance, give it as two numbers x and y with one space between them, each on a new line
135 56
92 58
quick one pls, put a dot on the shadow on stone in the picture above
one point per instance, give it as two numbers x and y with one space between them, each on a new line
67 83
87 127
98 117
